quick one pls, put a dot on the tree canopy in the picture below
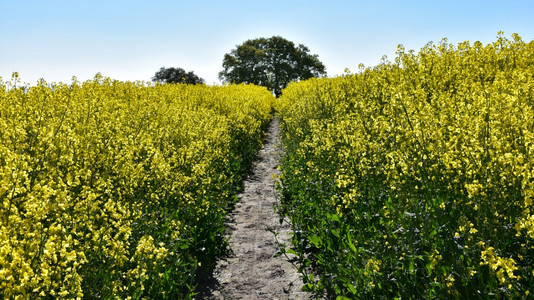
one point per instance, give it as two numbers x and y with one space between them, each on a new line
271 62
176 75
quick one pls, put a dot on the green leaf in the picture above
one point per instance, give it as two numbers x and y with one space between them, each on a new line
291 251
307 287
333 217
351 288
315 240
411 267
335 232
351 245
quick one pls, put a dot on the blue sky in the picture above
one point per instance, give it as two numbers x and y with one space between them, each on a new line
131 40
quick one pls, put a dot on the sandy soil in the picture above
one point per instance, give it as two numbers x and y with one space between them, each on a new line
252 271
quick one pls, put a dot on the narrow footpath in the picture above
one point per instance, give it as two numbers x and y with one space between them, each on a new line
252 271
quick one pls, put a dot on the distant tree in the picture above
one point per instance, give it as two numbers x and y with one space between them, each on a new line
271 62
176 75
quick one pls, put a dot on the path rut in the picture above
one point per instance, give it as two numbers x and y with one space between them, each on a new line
252 271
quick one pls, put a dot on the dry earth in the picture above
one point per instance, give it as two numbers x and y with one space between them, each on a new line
252 271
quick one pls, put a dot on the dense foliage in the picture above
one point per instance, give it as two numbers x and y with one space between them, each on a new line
115 189
415 178
271 62
176 75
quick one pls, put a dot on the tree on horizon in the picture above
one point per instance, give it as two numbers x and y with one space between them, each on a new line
271 62
176 75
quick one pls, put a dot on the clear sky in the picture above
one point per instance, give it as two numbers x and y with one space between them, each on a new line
131 40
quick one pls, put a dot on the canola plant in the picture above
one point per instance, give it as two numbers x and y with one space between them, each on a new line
114 189
415 178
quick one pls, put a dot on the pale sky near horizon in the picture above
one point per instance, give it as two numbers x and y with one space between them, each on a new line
131 40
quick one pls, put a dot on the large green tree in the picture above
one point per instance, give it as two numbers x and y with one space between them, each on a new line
271 62
176 75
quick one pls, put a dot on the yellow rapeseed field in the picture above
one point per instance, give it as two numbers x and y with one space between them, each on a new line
114 189
415 178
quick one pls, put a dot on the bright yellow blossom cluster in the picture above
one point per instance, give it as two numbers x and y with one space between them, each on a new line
500 265
426 162
114 189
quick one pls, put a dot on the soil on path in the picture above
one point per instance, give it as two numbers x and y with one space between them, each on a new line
252 271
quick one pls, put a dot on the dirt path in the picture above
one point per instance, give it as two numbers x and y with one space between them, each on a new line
252 271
